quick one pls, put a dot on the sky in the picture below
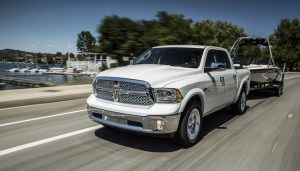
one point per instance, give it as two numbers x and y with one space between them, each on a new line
51 26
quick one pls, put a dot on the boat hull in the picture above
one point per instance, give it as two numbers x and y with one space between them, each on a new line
267 75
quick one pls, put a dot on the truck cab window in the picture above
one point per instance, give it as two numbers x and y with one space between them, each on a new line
222 57
210 58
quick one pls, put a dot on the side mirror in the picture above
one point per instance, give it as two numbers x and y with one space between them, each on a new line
131 62
215 66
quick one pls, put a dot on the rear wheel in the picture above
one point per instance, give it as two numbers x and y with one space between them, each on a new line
189 129
239 107
279 89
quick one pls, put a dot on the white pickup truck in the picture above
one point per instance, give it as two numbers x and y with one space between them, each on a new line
168 90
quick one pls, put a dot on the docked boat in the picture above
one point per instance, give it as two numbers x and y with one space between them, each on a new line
2 83
24 70
14 70
34 70
57 69
43 68
264 73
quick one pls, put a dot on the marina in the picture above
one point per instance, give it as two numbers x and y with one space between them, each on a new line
49 77
24 75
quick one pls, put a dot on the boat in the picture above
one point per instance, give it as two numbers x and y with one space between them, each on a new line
2 83
14 70
264 73
24 70
43 68
57 69
34 70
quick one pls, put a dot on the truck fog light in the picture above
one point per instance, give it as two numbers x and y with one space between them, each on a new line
160 124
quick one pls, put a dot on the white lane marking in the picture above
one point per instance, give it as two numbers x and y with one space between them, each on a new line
274 147
290 115
17 107
40 142
39 118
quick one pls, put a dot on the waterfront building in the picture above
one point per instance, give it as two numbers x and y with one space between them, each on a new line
93 62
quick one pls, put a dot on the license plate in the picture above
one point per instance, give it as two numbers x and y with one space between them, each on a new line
114 119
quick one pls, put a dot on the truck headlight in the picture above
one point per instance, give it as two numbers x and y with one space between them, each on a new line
167 95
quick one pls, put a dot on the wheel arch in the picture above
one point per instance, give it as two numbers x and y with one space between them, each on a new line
245 85
193 95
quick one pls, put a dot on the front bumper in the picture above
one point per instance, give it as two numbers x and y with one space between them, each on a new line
156 124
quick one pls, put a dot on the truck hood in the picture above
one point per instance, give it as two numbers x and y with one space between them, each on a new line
156 75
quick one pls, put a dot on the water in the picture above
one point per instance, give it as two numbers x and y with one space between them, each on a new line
57 79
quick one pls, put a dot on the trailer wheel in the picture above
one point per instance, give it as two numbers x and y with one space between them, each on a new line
279 89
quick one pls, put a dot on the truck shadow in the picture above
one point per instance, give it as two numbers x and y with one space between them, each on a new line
260 94
162 144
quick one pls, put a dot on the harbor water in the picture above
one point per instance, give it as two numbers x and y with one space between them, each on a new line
57 79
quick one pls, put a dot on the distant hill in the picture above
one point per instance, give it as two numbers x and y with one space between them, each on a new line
14 53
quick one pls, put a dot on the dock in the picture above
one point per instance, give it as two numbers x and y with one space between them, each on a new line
26 82
66 73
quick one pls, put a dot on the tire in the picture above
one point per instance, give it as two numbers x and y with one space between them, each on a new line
190 126
239 107
278 91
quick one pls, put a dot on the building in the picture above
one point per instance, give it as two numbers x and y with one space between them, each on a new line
93 62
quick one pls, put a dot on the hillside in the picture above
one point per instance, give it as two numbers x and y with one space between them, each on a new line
14 53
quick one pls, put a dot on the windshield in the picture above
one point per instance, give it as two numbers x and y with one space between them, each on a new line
182 57
252 54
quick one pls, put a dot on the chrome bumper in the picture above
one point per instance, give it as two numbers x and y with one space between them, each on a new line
144 124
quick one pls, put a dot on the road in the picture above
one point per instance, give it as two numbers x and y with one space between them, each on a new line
59 136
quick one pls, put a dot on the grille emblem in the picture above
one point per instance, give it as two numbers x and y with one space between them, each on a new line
116 87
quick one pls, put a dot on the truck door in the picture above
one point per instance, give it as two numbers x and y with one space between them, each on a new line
214 89
229 76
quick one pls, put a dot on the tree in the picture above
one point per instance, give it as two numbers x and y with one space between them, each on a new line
218 33
58 54
123 36
85 42
286 40
71 55
173 29
115 32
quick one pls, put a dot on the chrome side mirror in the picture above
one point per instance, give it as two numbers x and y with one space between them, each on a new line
216 66
131 62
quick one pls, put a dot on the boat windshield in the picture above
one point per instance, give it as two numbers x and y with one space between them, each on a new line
252 51
252 54
173 56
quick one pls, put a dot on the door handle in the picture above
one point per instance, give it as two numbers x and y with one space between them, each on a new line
222 80
234 77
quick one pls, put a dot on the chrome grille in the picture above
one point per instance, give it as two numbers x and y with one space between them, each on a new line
133 99
123 90
132 86
105 95
105 83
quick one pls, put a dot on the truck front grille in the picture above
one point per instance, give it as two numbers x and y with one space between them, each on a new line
121 90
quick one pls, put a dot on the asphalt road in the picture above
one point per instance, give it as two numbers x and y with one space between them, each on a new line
59 136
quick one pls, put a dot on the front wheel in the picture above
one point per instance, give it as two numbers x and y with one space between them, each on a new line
188 133
239 107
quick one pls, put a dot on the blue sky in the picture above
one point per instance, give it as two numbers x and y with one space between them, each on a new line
48 25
